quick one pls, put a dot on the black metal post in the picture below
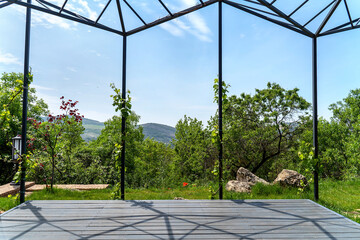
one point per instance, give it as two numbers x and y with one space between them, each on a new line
25 103
220 105
123 121
315 118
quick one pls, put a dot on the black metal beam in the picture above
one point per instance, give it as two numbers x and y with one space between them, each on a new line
220 104
328 16
341 26
338 31
283 15
123 120
42 4
316 15
298 8
25 104
75 19
283 24
102 12
64 10
348 12
121 16
5 4
169 18
259 10
315 117
167 9
253 2
63 6
133 10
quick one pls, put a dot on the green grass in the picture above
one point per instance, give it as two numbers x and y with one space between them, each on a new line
65 194
340 196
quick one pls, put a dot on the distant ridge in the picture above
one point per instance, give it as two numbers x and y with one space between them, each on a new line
159 132
92 129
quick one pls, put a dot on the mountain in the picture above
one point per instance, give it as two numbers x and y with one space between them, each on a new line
92 129
159 132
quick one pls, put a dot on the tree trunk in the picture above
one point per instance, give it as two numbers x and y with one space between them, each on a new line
52 173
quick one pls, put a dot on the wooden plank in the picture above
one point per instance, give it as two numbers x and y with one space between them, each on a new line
169 219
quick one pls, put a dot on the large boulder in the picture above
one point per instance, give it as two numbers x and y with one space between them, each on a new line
244 175
291 178
238 186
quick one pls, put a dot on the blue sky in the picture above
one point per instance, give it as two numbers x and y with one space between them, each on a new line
171 67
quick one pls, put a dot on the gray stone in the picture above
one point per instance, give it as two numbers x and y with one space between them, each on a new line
291 178
244 175
238 186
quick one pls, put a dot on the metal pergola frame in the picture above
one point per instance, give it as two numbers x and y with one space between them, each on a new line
256 8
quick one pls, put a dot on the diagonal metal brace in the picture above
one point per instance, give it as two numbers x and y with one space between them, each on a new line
289 19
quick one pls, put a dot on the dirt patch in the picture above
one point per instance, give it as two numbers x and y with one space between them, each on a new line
7 189
39 187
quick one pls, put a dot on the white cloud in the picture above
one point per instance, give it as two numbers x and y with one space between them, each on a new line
182 25
199 23
199 29
189 3
52 101
172 29
101 5
71 69
38 87
99 116
195 24
92 14
8 58
48 21
44 19
95 52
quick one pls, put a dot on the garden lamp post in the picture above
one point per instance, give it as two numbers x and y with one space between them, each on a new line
16 152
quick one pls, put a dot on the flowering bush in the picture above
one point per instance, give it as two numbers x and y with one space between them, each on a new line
47 135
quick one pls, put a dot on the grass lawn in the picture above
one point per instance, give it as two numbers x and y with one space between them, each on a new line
340 196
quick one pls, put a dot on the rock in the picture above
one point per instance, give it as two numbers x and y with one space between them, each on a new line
179 198
238 186
291 178
244 175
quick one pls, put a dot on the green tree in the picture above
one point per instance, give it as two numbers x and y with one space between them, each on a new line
154 165
193 148
11 86
106 146
259 128
339 138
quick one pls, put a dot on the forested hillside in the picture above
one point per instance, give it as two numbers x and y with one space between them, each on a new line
159 132
264 132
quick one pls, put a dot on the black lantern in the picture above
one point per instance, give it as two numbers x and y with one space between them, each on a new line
16 153
16 147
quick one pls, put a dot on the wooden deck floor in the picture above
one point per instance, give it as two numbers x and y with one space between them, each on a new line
175 219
